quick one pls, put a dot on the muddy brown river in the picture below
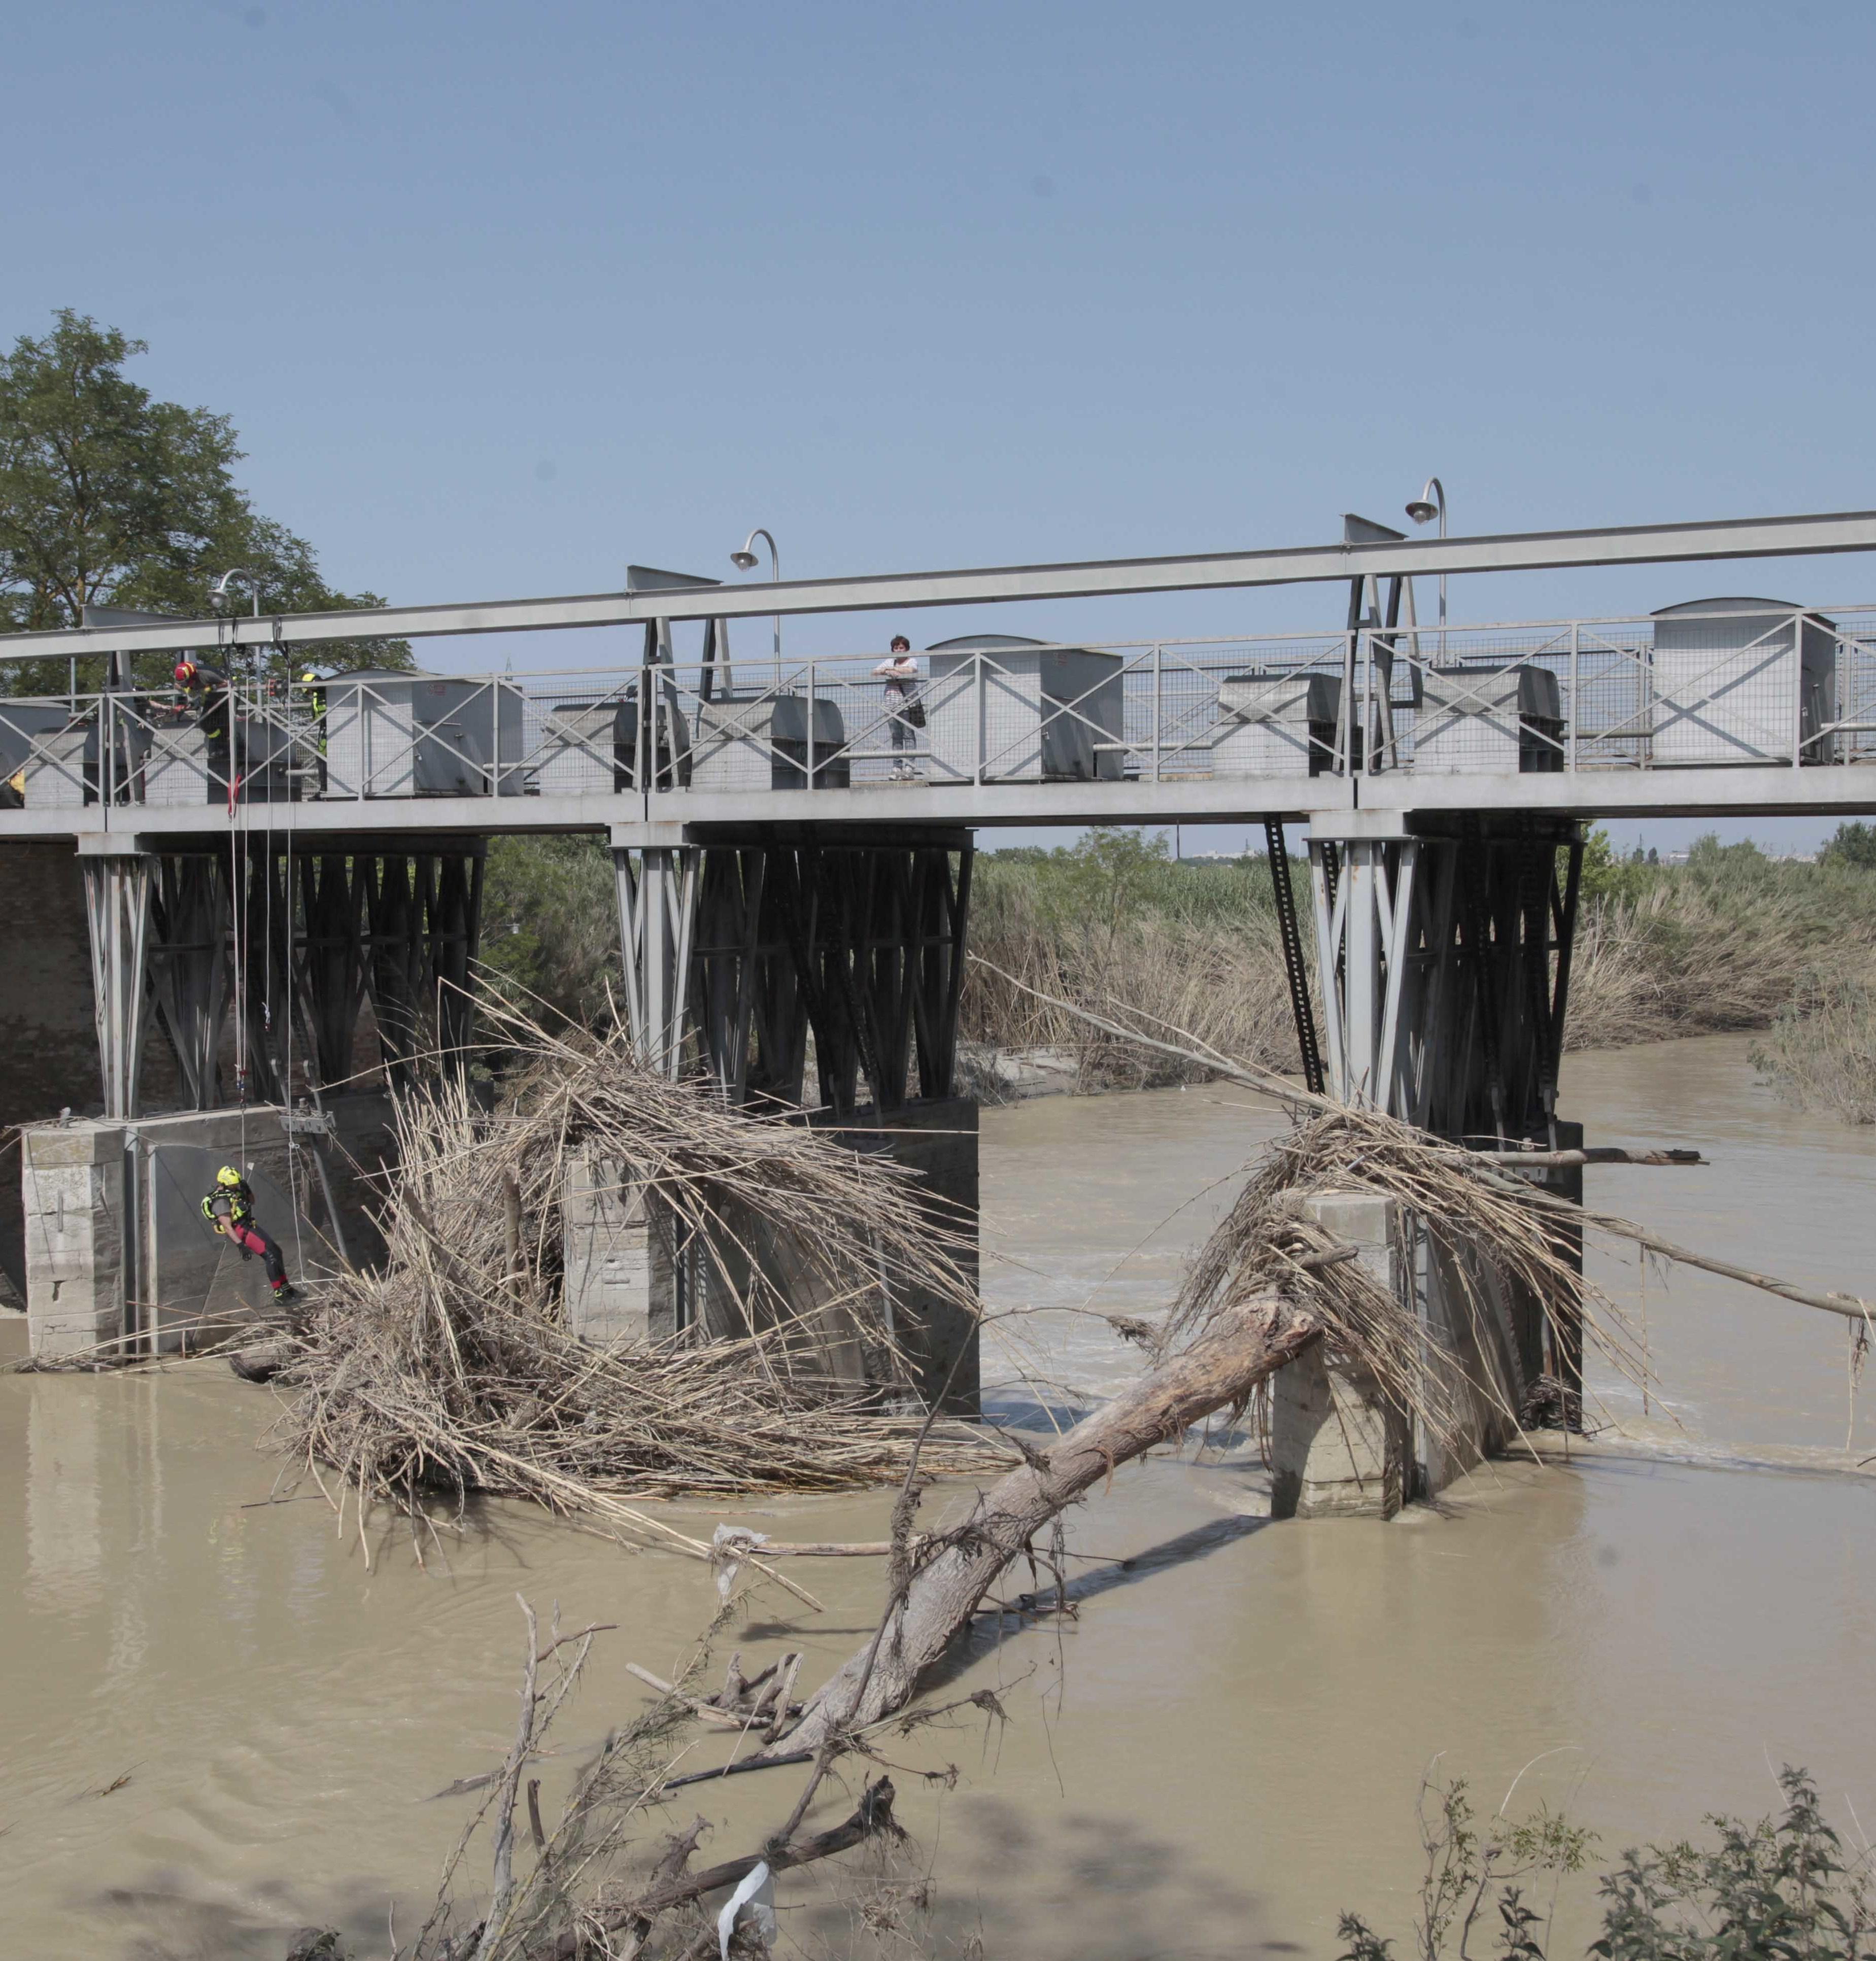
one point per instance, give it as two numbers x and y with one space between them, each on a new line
218 1724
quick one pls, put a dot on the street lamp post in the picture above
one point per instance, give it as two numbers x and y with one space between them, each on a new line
745 560
240 572
1429 504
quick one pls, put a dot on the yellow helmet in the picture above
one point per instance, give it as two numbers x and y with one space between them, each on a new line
228 1174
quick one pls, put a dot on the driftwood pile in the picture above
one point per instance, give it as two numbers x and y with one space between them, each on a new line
450 1370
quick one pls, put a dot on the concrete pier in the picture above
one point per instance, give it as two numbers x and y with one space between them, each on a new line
116 1246
623 1280
1339 1447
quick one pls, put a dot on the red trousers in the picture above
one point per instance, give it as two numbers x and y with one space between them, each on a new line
249 1238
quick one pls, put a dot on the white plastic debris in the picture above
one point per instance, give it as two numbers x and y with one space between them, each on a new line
755 1900
730 1546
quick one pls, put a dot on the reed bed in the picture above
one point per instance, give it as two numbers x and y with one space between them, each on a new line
1224 981
451 1369
1820 1053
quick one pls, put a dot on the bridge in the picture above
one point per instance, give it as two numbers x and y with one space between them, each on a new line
792 836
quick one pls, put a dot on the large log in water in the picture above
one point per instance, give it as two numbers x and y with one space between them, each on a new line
1237 1351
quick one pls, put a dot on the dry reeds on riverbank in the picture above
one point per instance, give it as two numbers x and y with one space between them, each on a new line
452 1369
1723 942
1821 1051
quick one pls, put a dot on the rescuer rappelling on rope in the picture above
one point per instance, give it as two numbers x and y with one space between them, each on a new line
229 1208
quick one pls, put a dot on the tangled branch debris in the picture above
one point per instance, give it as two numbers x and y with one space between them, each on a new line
451 1370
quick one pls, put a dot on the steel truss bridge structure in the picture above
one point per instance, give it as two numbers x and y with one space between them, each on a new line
793 857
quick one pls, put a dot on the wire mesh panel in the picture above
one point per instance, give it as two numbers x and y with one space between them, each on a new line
1489 718
1277 724
56 774
1012 712
578 749
1855 734
370 737
177 772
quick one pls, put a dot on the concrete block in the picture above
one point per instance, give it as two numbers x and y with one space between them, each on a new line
88 1256
72 1197
619 1279
1339 1449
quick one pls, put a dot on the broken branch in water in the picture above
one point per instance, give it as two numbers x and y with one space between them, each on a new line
872 1818
1243 1347
1591 1154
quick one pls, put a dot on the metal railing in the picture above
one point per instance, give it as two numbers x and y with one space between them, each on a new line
1738 685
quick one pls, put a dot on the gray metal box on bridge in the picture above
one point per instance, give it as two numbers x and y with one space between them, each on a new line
1500 719
1728 687
1276 724
1041 714
63 769
760 742
393 734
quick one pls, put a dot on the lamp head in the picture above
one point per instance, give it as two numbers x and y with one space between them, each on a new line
744 561
1422 512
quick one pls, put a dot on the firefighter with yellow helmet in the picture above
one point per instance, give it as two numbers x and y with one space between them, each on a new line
229 1208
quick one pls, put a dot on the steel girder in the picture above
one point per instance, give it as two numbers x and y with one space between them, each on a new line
1445 963
1629 544
860 947
117 893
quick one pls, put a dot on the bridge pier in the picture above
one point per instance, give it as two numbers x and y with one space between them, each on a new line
117 875
1443 947
810 969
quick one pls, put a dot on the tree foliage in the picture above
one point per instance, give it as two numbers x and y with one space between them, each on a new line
1853 845
550 925
109 496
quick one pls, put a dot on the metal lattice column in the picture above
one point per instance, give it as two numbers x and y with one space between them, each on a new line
658 893
1445 958
117 875
1363 890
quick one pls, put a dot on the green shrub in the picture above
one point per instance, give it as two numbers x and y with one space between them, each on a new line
1779 1890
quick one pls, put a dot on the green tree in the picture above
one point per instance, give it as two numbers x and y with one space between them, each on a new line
550 926
110 496
1853 845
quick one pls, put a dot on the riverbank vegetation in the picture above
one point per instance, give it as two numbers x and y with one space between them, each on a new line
1782 1888
1821 1053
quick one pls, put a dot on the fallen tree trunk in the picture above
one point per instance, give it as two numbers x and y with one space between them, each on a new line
1239 1349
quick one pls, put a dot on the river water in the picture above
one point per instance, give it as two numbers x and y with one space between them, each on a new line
219 1724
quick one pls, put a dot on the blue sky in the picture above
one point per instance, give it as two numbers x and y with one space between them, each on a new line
503 297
